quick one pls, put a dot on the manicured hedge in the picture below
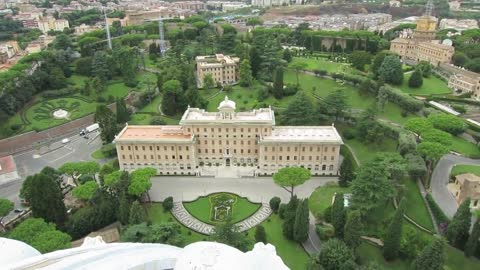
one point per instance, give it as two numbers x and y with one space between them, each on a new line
402 99
440 217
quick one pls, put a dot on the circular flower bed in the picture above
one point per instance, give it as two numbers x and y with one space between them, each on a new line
218 207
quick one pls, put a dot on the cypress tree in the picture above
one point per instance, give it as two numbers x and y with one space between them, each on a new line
137 214
123 212
353 230
46 199
432 256
289 214
472 242
123 115
457 231
260 234
278 83
416 80
338 215
300 228
391 243
346 171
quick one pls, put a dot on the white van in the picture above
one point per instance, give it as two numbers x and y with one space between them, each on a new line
66 140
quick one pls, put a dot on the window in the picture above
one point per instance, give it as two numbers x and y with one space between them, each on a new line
324 157
130 156
121 147
123 156
241 151
136 147
288 157
303 148
273 157
265 158
159 157
280 158
187 148
332 158
144 156
248 151
151 148
198 130
248 129
330 167
173 148
310 158
324 167
179 148
129 147
199 151
206 151
173 156
241 130
294 157
180 157
165 148
151 157
158 148
166 157
188 129
143 148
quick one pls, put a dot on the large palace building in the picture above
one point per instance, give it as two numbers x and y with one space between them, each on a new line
227 139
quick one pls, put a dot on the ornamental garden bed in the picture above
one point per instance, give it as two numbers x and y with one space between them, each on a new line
218 207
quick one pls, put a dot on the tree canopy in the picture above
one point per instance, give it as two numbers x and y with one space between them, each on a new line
140 181
85 191
290 177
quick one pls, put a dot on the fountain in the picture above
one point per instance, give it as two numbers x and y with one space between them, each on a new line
60 114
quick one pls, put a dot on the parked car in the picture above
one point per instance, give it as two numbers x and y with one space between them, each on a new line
66 140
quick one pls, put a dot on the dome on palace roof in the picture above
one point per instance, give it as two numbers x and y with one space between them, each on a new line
227 104
14 251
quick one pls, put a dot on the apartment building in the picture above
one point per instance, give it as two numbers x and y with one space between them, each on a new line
227 138
50 23
223 68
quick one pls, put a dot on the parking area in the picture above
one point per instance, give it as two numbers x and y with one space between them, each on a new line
54 155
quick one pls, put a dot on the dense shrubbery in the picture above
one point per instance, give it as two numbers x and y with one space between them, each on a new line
447 122
402 99
59 93
440 217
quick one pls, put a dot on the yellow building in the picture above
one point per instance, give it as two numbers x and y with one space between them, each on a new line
208 142
421 46
462 81
466 185
223 68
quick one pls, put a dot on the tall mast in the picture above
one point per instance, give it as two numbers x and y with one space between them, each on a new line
109 38
162 40
429 8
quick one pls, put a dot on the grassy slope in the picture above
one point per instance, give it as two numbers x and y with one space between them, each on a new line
416 208
459 169
293 254
321 198
430 86
365 152
464 147
324 87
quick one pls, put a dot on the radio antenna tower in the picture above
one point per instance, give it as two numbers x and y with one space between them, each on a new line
109 38
162 40
429 8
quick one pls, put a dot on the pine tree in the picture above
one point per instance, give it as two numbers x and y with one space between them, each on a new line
46 199
100 66
278 83
123 212
123 115
346 171
457 231
353 230
289 220
137 214
338 215
260 234
391 243
472 243
416 79
391 70
107 121
287 55
246 78
299 111
301 225
432 256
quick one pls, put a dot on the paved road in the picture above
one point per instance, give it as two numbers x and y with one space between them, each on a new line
31 162
260 189
440 178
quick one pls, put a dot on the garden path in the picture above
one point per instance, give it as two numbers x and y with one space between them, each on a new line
189 221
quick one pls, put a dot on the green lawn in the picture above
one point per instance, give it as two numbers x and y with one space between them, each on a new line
460 169
416 208
320 64
365 152
152 106
203 209
455 260
323 87
98 154
368 253
77 80
321 198
292 253
40 114
430 86
464 147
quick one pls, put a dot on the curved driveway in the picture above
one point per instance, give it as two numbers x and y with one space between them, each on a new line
440 178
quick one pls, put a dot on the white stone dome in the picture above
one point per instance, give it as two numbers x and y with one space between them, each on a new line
227 104
14 251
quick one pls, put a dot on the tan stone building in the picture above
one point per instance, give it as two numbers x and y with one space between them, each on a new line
223 68
461 80
466 185
226 140
421 46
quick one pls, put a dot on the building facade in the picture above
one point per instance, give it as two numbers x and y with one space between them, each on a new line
229 139
466 185
223 68
421 46
461 80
